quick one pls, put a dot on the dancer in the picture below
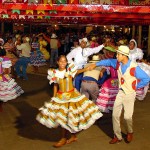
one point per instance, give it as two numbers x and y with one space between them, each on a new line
131 77
8 87
109 88
67 108
80 56
36 57
22 63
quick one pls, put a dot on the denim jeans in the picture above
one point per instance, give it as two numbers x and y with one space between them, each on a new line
22 63
53 57
78 80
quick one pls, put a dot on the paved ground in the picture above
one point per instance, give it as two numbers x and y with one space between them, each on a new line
20 131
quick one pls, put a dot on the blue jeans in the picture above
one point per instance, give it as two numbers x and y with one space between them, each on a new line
53 57
78 80
22 63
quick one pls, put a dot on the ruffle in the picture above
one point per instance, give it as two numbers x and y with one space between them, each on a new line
145 68
37 59
6 63
9 90
53 74
73 116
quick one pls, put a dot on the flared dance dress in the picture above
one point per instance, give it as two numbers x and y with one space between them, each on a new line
69 109
9 89
36 57
108 92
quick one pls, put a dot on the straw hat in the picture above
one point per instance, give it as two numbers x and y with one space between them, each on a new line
123 50
54 36
95 58
27 39
93 38
120 42
1 41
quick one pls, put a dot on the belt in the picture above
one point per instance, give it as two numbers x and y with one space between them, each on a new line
88 81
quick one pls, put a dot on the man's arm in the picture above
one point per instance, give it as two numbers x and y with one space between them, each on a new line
106 62
142 77
46 38
94 50
71 55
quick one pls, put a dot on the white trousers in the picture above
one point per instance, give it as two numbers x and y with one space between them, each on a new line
125 102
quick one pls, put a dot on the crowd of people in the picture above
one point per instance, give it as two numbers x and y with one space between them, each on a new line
89 79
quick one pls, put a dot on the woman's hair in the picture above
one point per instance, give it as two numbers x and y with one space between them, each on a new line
59 57
2 51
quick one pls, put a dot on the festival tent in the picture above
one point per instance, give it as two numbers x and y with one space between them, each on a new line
108 12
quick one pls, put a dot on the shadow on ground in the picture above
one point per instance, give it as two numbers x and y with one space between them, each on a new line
26 123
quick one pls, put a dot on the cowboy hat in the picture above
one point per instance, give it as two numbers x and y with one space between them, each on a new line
123 50
54 36
120 42
95 58
110 49
93 38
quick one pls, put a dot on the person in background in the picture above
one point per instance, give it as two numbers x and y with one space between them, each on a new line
43 45
22 63
10 53
54 45
109 89
36 58
136 55
67 108
93 42
131 77
80 57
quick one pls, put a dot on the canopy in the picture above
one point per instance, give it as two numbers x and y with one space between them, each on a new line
120 14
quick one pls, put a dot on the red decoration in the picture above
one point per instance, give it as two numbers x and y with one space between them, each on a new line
132 71
134 85
122 80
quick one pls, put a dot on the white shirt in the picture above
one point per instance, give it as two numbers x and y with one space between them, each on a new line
25 49
81 56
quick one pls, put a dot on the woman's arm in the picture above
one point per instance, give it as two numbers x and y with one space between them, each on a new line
46 38
55 89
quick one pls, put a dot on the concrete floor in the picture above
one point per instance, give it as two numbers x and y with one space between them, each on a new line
20 131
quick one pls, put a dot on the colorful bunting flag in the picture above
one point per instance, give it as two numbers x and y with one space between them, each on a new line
13 16
30 17
47 17
16 11
3 11
53 11
5 16
29 12
40 12
39 17
21 16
